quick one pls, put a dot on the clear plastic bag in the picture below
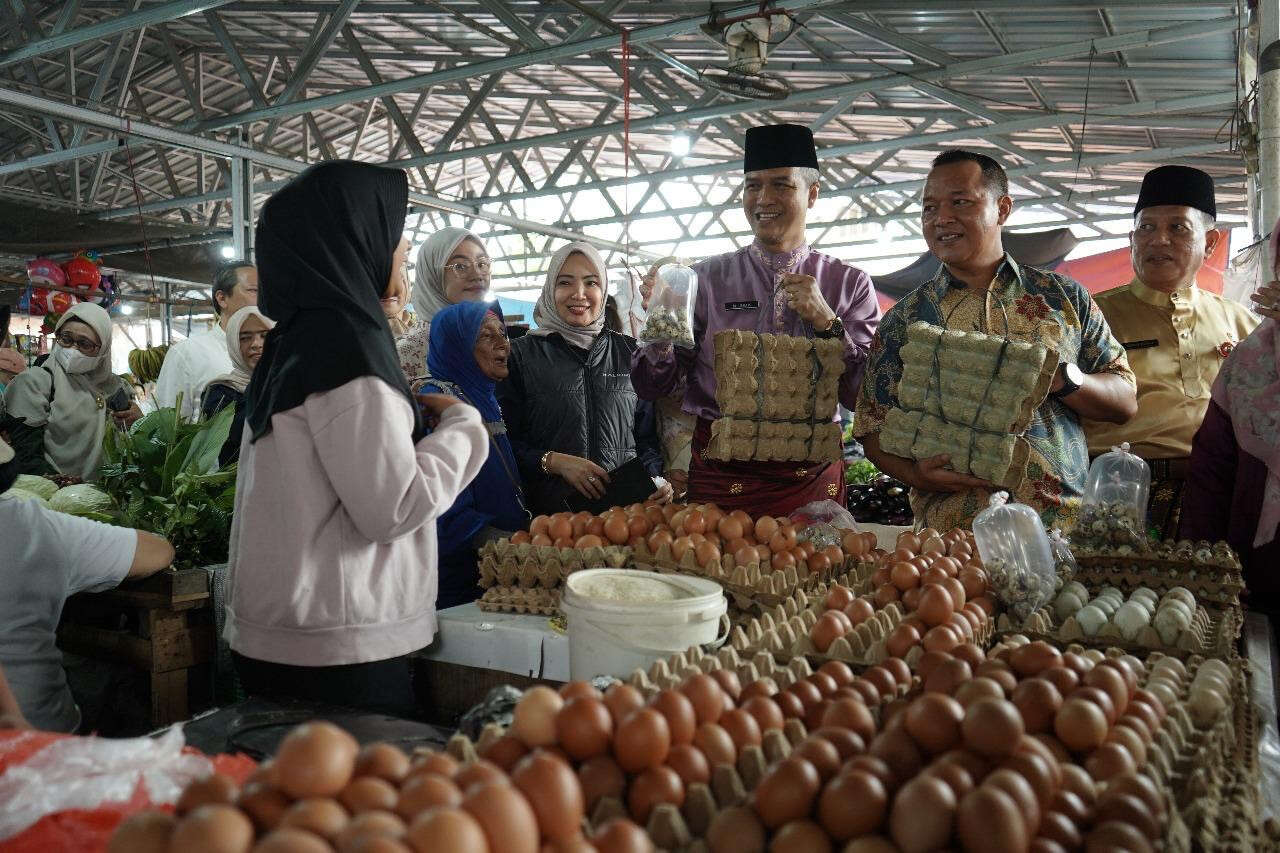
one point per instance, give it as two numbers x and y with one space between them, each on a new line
822 523
1113 513
671 304
1015 553
1064 562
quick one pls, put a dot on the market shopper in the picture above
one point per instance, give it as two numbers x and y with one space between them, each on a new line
332 570
56 414
1175 334
779 285
190 364
452 267
572 413
980 288
45 558
468 358
246 335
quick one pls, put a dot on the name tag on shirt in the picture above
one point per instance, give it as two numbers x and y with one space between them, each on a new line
745 305
1148 344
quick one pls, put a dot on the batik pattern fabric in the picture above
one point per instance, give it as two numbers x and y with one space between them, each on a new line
1024 304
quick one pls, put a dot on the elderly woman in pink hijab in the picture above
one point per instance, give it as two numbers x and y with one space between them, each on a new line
1233 494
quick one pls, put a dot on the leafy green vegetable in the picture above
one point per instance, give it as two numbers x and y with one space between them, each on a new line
85 501
860 473
36 485
164 475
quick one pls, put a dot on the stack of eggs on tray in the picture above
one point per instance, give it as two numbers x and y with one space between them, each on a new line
1170 614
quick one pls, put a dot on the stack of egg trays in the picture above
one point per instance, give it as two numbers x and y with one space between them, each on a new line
528 566
985 381
1211 570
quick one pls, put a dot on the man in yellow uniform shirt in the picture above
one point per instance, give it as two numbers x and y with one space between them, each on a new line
1175 334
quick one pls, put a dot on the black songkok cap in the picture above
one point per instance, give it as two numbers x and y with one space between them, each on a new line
773 146
1181 185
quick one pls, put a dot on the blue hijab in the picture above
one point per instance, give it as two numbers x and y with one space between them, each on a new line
451 357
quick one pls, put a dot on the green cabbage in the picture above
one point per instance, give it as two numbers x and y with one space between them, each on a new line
36 485
85 501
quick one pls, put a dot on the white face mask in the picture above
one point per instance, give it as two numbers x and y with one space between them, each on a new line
73 361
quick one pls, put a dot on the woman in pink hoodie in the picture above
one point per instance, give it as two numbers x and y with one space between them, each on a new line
333 574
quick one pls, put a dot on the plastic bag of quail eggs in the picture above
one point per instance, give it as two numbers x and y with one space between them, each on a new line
1113 512
1015 552
670 318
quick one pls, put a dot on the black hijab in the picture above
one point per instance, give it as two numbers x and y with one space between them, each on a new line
325 243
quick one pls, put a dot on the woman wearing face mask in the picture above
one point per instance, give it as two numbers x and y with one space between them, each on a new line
568 400
452 267
246 334
332 557
56 414
468 358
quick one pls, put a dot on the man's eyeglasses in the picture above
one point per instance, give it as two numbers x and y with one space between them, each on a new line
464 267
67 340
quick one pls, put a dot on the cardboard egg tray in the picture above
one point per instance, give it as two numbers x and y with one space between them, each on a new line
518 599
867 647
769 441
528 566
1211 571
752 586
1214 632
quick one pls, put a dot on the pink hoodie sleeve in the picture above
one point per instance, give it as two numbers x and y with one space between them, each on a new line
389 486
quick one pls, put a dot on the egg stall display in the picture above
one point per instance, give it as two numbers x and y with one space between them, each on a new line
1172 622
1210 570
757 560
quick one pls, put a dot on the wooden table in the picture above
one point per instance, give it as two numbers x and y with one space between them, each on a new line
162 625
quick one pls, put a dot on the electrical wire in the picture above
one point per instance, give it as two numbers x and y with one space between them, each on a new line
1084 122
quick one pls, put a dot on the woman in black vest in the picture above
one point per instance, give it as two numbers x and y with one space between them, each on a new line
568 402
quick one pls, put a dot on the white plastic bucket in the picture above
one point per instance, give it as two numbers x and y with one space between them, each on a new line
612 637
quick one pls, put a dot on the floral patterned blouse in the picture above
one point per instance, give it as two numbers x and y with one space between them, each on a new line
1027 304
411 347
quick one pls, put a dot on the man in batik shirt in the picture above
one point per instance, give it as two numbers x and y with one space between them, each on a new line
777 285
981 289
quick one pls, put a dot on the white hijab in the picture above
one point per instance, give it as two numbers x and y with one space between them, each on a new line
428 272
545 313
241 372
70 406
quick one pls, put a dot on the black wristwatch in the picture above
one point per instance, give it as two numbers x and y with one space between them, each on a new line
835 330
1072 379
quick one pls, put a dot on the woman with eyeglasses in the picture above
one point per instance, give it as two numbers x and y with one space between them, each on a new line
57 413
246 335
452 267
568 400
468 358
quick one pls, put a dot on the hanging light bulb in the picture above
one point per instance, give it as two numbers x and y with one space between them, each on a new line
228 252
680 145
126 309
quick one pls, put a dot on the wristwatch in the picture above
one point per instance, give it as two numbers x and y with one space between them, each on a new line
834 330
1072 379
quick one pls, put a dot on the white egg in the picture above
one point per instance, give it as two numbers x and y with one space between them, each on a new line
1077 589
1206 706
1168 663
1139 668
1146 593
1066 604
1215 665
1094 656
1169 623
1106 605
1182 594
1111 592
1131 618
1090 619
1164 691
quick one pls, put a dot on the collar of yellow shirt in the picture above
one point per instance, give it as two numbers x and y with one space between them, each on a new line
1181 301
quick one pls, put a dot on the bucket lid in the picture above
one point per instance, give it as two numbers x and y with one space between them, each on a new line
623 587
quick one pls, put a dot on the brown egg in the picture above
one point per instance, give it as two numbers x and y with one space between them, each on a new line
1039 775
988 819
1071 806
947 675
1016 786
741 727
316 759
900 640
766 712
553 792
706 695
1038 702
319 815
789 704
429 761
367 794
382 760
447 828
826 631
859 611
1080 724
1110 681
654 786
477 772
800 836
689 763
978 688
851 714
786 792
736 830
1060 829
933 720
600 777
263 804
616 529
426 790
821 753
854 803
957 778
642 740
847 743
1108 761
861 688
1129 809
922 815
505 816
716 744
584 727
707 554
622 836
534 719
898 750
621 700
292 840
1033 658
1063 678
1114 836
992 727
1131 740
214 828
215 789
935 606
143 832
